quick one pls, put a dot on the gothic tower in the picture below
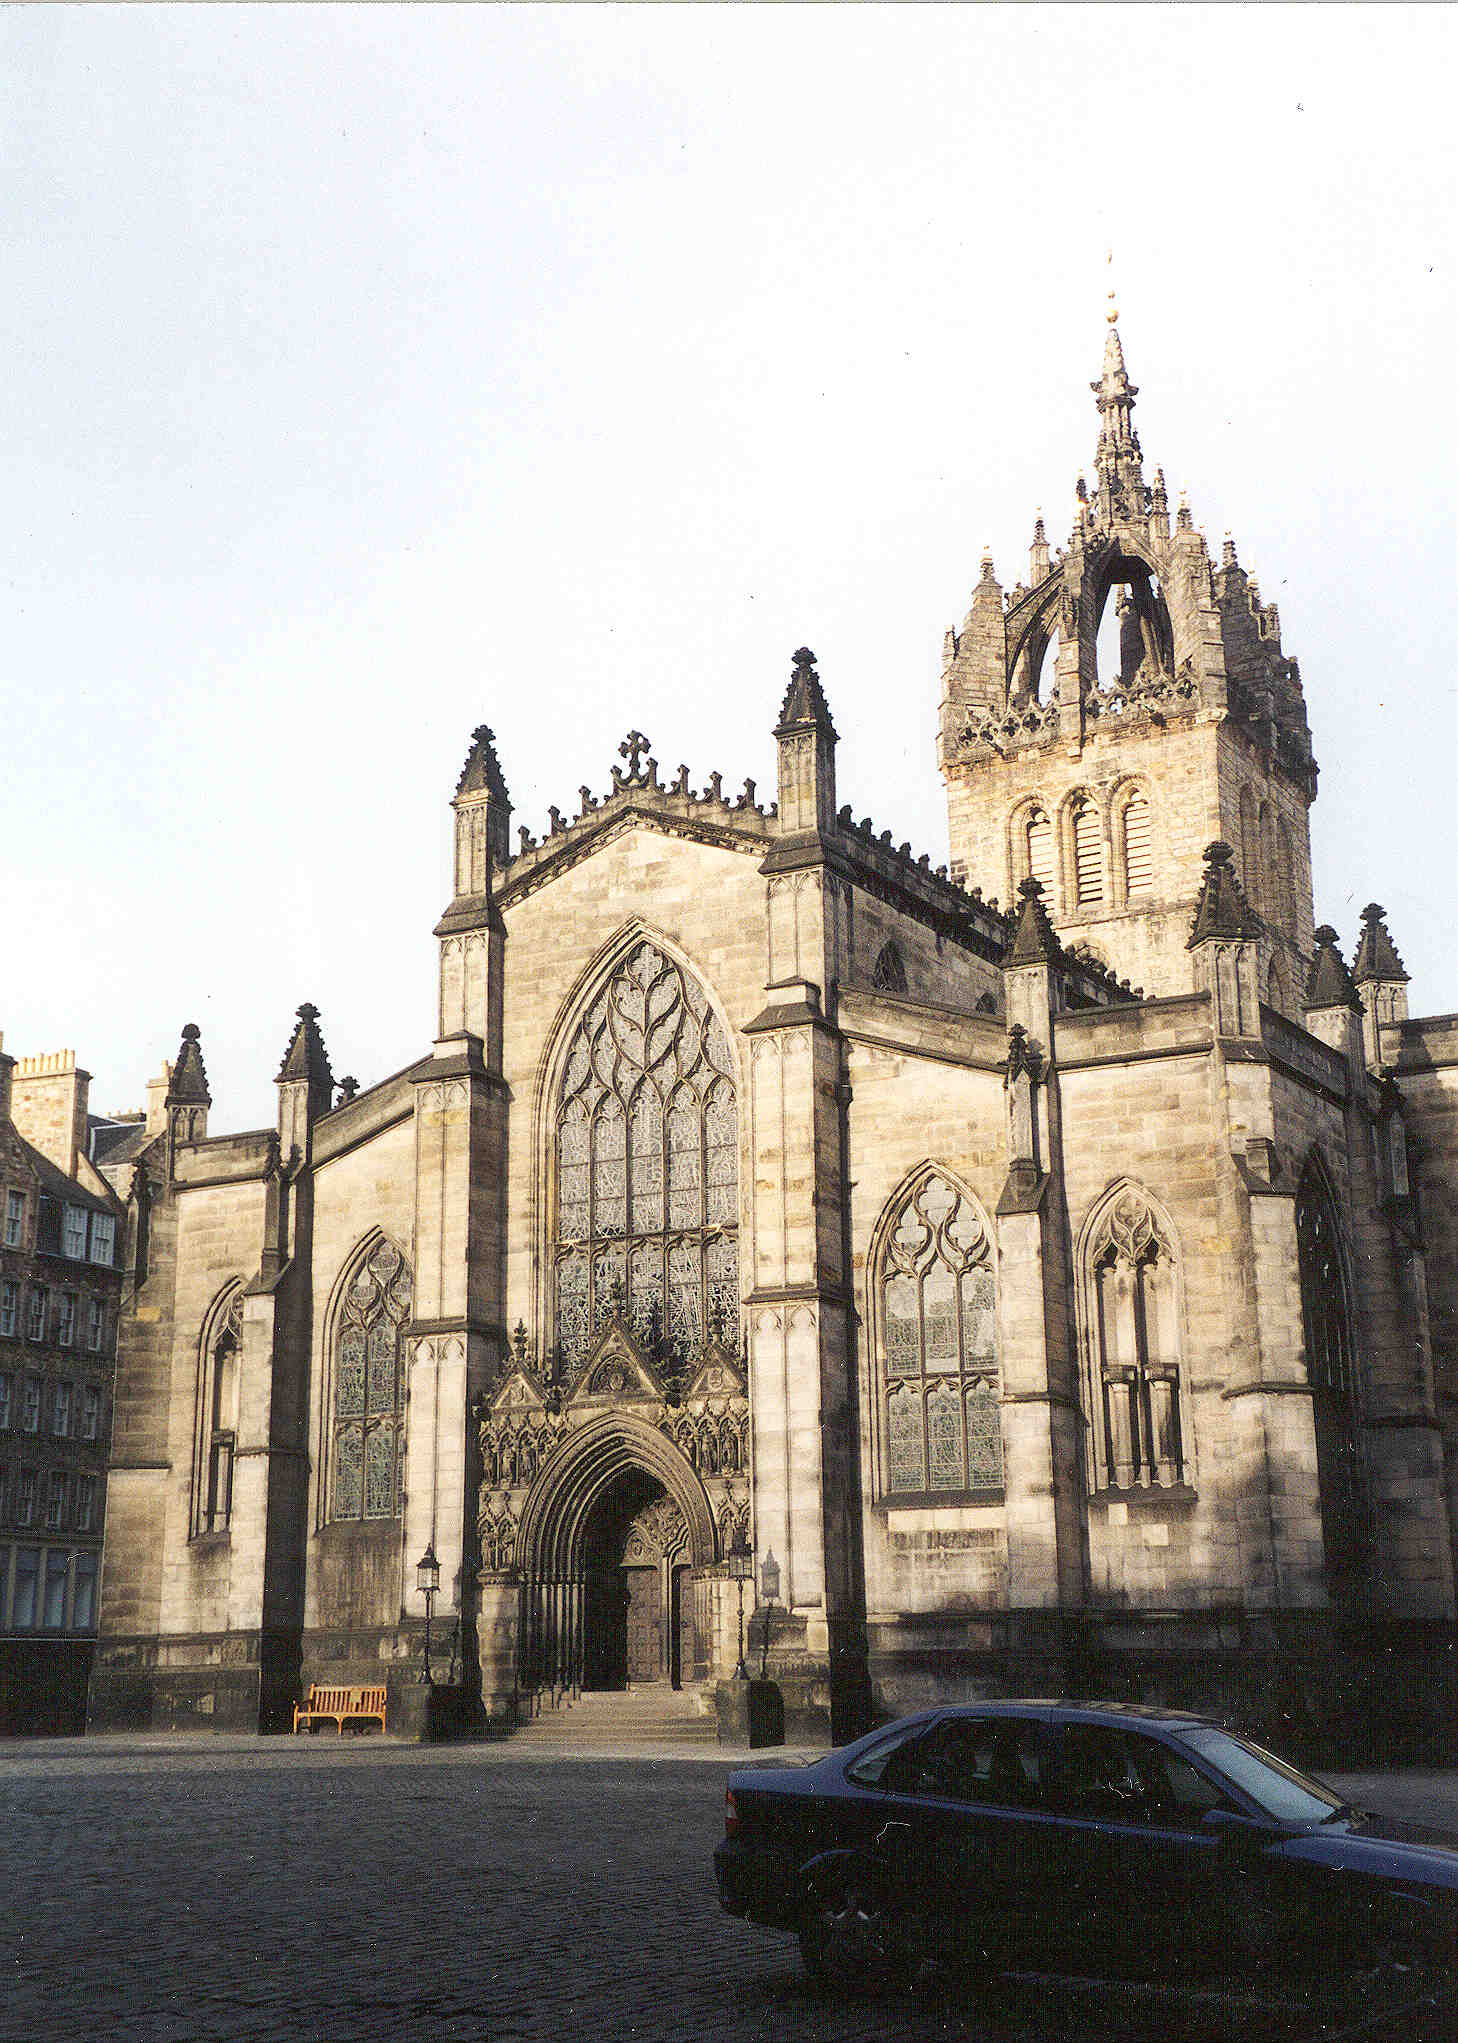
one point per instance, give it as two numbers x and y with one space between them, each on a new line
1100 751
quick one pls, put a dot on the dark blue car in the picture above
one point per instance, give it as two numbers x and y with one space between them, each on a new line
1127 1843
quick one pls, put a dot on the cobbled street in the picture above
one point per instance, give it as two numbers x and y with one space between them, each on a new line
161 1892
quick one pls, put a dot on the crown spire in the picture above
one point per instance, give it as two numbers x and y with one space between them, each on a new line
1120 471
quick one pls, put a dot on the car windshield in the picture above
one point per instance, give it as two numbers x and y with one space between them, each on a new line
1282 1792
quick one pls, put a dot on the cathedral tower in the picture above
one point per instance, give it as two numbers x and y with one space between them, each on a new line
1127 705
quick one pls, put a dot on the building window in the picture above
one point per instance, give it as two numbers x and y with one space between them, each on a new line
217 1414
85 1503
83 1605
55 1500
1033 851
1331 1372
103 1238
27 1582
890 972
95 1325
936 1315
73 1234
648 1168
9 1307
1138 848
4 1402
25 1497
40 1300
90 1412
66 1320
1088 864
14 1219
369 1387
30 1410
61 1410
1132 1327
53 1607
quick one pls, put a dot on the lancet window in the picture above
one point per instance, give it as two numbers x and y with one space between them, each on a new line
937 1319
1133 1334
1088 866
1138 848
890 973
368 1444
647 1139
217 1414
1331 1371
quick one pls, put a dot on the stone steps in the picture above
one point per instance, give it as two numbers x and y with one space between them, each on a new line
652 1714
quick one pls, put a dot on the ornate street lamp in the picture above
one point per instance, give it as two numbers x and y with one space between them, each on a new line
769 1592
427 1581
741 1570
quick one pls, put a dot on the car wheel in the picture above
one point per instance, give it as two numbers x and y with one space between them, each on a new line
849 1938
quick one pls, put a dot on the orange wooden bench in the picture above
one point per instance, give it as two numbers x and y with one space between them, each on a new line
340 1706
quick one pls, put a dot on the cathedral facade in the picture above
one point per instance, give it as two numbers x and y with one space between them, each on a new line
1064 1294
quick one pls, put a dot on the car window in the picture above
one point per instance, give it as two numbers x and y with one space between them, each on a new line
1093 1774
957 1760
1176 1793
1281 1790
891 1763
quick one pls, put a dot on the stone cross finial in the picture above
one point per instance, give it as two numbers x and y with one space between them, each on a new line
633 748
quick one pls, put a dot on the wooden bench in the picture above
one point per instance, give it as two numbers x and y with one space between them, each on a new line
340 1706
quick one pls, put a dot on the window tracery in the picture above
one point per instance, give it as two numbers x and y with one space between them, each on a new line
217 1415
1133 1329
648 1167
937 1317
1331 1372
368 1418
890 972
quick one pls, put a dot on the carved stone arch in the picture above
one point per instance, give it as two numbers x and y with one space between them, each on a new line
359 1258
1023 858
581 1469
1032 637
215 1410
552 1064
1131 561
1130 1309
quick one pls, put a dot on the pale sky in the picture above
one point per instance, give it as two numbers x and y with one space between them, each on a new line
373 373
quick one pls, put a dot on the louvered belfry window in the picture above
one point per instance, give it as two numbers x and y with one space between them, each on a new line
938 1317
1087 859
369 1387
1138 848
648 1167
1041 861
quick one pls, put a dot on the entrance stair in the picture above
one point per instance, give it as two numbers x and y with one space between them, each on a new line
649 1715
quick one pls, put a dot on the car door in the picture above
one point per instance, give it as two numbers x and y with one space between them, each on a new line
1130 1870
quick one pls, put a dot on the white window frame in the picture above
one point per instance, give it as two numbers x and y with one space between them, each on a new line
85 1503
62 1405
73 1233
66 1320
15 1220
30 1409
96 1326
38 1313
55 1499
103 1239
89 1415
10 1308
25 1498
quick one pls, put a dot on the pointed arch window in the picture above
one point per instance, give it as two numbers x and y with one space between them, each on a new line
1088 865
1134 1389
936 1314
1037 854
1331 1372
216 1428
647 1138
890 973
367 1449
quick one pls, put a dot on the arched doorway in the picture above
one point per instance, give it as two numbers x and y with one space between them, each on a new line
616 1542
638 1621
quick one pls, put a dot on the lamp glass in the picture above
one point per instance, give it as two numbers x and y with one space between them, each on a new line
769 1578
427 1571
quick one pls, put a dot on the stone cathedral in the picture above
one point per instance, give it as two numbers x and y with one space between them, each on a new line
1065 1293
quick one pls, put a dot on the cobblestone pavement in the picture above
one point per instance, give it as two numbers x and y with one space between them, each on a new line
159 1891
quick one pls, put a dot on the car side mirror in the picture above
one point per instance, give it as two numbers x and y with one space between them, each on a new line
1236 1830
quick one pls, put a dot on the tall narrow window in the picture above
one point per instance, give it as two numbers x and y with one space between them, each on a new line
1133 1339
1039 862
73 1237
648 1167
937 1321
217 1432
1331 1372
1138 848
1088 865
14 1219
890 972
369 1387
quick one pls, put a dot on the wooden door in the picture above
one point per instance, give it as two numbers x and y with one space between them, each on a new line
645 1623
683 1642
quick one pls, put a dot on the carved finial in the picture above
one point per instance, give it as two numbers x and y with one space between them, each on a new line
1329 983
1227 552
1377 956
348 1087
1222 909
804 698
519 1343
1033 940
634 749
191 1033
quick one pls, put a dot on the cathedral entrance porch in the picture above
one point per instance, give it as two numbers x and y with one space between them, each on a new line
637 1619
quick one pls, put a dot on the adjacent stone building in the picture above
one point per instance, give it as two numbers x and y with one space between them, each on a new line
60 1287
1063 1292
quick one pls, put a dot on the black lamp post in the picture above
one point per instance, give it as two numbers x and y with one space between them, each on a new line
741 1569
769 1592
427 1581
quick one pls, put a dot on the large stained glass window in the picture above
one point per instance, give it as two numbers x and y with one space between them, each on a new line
938 1323
648 1168
369 1387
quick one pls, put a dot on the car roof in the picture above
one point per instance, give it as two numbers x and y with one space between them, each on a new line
1079 1712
